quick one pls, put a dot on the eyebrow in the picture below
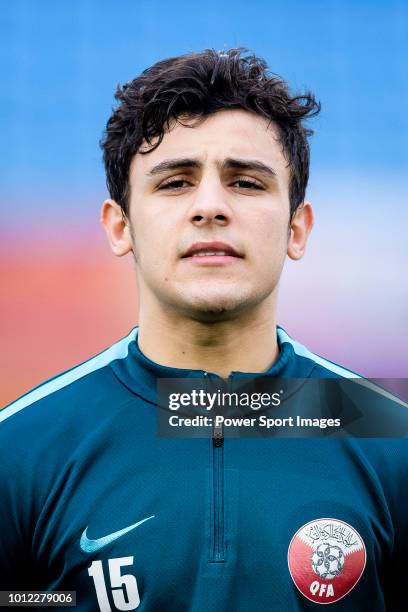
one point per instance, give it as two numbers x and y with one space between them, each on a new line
228 164
174 164
248 164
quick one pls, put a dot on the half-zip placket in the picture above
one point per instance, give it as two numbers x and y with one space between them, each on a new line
217 545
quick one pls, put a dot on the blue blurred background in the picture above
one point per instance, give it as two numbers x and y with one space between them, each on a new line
67 297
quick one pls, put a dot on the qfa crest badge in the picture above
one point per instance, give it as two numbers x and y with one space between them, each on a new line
326 559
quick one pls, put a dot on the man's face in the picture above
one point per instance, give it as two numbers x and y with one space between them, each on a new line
209 212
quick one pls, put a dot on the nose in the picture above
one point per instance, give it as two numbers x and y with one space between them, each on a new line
210 205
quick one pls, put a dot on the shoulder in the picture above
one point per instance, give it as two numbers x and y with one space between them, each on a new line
372 409
66 393
319 367
48 431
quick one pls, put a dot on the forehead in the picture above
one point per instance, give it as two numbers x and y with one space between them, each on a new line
226 134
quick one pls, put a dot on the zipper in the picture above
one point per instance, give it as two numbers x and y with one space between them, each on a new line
217 552
218 548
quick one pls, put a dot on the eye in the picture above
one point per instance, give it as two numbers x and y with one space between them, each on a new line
174 184
248 183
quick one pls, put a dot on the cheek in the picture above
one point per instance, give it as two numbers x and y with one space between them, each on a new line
153 245
271 237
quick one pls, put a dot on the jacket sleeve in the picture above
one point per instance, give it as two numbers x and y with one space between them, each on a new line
396 570
15 521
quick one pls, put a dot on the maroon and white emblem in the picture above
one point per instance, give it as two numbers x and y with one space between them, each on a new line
326 559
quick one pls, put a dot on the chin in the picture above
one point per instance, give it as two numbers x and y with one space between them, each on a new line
209 302
216 307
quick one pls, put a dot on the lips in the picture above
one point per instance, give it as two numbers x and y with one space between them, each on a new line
211 249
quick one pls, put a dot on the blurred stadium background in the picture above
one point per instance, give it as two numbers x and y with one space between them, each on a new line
65 297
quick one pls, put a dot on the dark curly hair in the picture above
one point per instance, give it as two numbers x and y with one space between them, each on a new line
198 85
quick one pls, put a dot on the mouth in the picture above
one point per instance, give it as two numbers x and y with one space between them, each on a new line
212 254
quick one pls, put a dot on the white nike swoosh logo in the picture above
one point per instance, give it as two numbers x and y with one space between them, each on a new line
91 546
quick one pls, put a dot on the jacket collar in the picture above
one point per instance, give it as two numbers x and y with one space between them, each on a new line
140 374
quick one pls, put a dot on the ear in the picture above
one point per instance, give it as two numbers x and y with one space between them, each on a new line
116 227
300 228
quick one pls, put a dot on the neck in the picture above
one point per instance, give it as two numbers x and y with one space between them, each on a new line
246 343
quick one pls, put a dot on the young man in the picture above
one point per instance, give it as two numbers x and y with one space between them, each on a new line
207 163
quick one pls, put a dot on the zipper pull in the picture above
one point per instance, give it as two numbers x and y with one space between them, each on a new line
218 435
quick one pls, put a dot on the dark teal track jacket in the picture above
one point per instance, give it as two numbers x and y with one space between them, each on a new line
93 501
